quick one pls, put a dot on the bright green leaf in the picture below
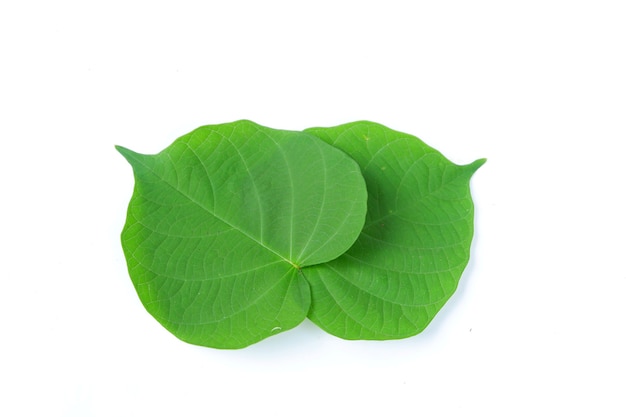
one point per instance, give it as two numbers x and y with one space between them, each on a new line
236 232
222 222
415 244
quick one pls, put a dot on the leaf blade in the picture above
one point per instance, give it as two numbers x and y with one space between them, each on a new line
212 229
415 243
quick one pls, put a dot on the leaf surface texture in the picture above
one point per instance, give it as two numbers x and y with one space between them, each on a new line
221 222
236 232
415 244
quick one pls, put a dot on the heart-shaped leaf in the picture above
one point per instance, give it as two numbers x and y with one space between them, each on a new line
415 243
237 231
222 222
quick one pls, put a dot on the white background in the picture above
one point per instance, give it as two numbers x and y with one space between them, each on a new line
537 326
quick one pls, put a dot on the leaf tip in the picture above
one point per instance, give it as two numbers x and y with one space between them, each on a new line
476 164
127 153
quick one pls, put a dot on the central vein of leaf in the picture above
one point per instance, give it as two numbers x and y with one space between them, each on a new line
226 222
243 232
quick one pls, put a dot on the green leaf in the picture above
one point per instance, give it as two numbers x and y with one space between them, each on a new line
415 243
222 222
236 232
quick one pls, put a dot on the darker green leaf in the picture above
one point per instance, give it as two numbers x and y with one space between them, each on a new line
408 260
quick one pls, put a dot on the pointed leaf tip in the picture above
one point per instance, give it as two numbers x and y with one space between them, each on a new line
476 164
129 155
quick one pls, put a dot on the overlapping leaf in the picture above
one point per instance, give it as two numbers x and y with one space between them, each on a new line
222 221
236 232
415 244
